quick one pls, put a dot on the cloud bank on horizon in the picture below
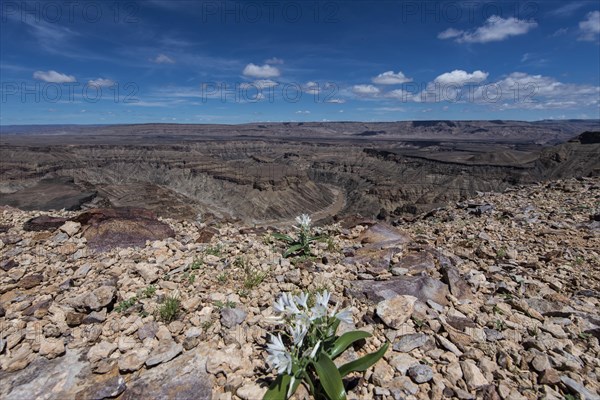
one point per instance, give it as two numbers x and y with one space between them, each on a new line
235 61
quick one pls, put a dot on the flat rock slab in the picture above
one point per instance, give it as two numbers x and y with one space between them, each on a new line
422 287
182 378
382 235
66 377
105 229
49 194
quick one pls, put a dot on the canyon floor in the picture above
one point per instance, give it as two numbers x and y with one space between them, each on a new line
501 295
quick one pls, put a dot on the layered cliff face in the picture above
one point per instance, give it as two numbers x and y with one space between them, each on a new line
266 180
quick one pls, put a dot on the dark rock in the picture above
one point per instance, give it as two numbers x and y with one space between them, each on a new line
422 287
488 392
106 386
416 263
68 283
4 228
409 342
94 317
180 379
39 309
259 230
105 229
2 311
458 286
74 318
9 264
492 335
11 239
43 223
480 209
190 342
420 373
460 323
31 281
206 234
578 388
232 317
148 330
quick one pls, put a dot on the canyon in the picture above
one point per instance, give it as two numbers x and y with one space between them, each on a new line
268 173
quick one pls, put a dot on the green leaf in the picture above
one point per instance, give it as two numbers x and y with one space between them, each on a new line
330 377
346 340
283 237
363 363
278 389
292 250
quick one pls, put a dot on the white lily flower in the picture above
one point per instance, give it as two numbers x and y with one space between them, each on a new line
279 358
322 299
279 306
345 316
304 221
298 333
302 299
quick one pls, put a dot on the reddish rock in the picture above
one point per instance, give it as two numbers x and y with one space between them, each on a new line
31 281
105 229
206 234
43 223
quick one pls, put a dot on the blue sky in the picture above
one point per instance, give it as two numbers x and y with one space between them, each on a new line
101 62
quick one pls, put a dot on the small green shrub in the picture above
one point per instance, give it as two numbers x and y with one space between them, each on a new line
214 250
169 309
126 304
196 264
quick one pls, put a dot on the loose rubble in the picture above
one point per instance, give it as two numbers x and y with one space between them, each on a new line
497 297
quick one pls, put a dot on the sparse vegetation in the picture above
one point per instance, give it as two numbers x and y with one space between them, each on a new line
149 291
196 264
227 304
169 309
126 304
499 325
501 253
216 250
223 277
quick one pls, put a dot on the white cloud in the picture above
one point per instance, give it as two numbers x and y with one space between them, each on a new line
560 32
495 29
53 77
390 78
335 101
163 59
101 82
274 60
460 78
449 33
520 90
257 71
590 27
312 88
302 112
365 90
567 9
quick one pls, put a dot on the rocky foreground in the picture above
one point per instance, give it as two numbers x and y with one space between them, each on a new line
495 298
